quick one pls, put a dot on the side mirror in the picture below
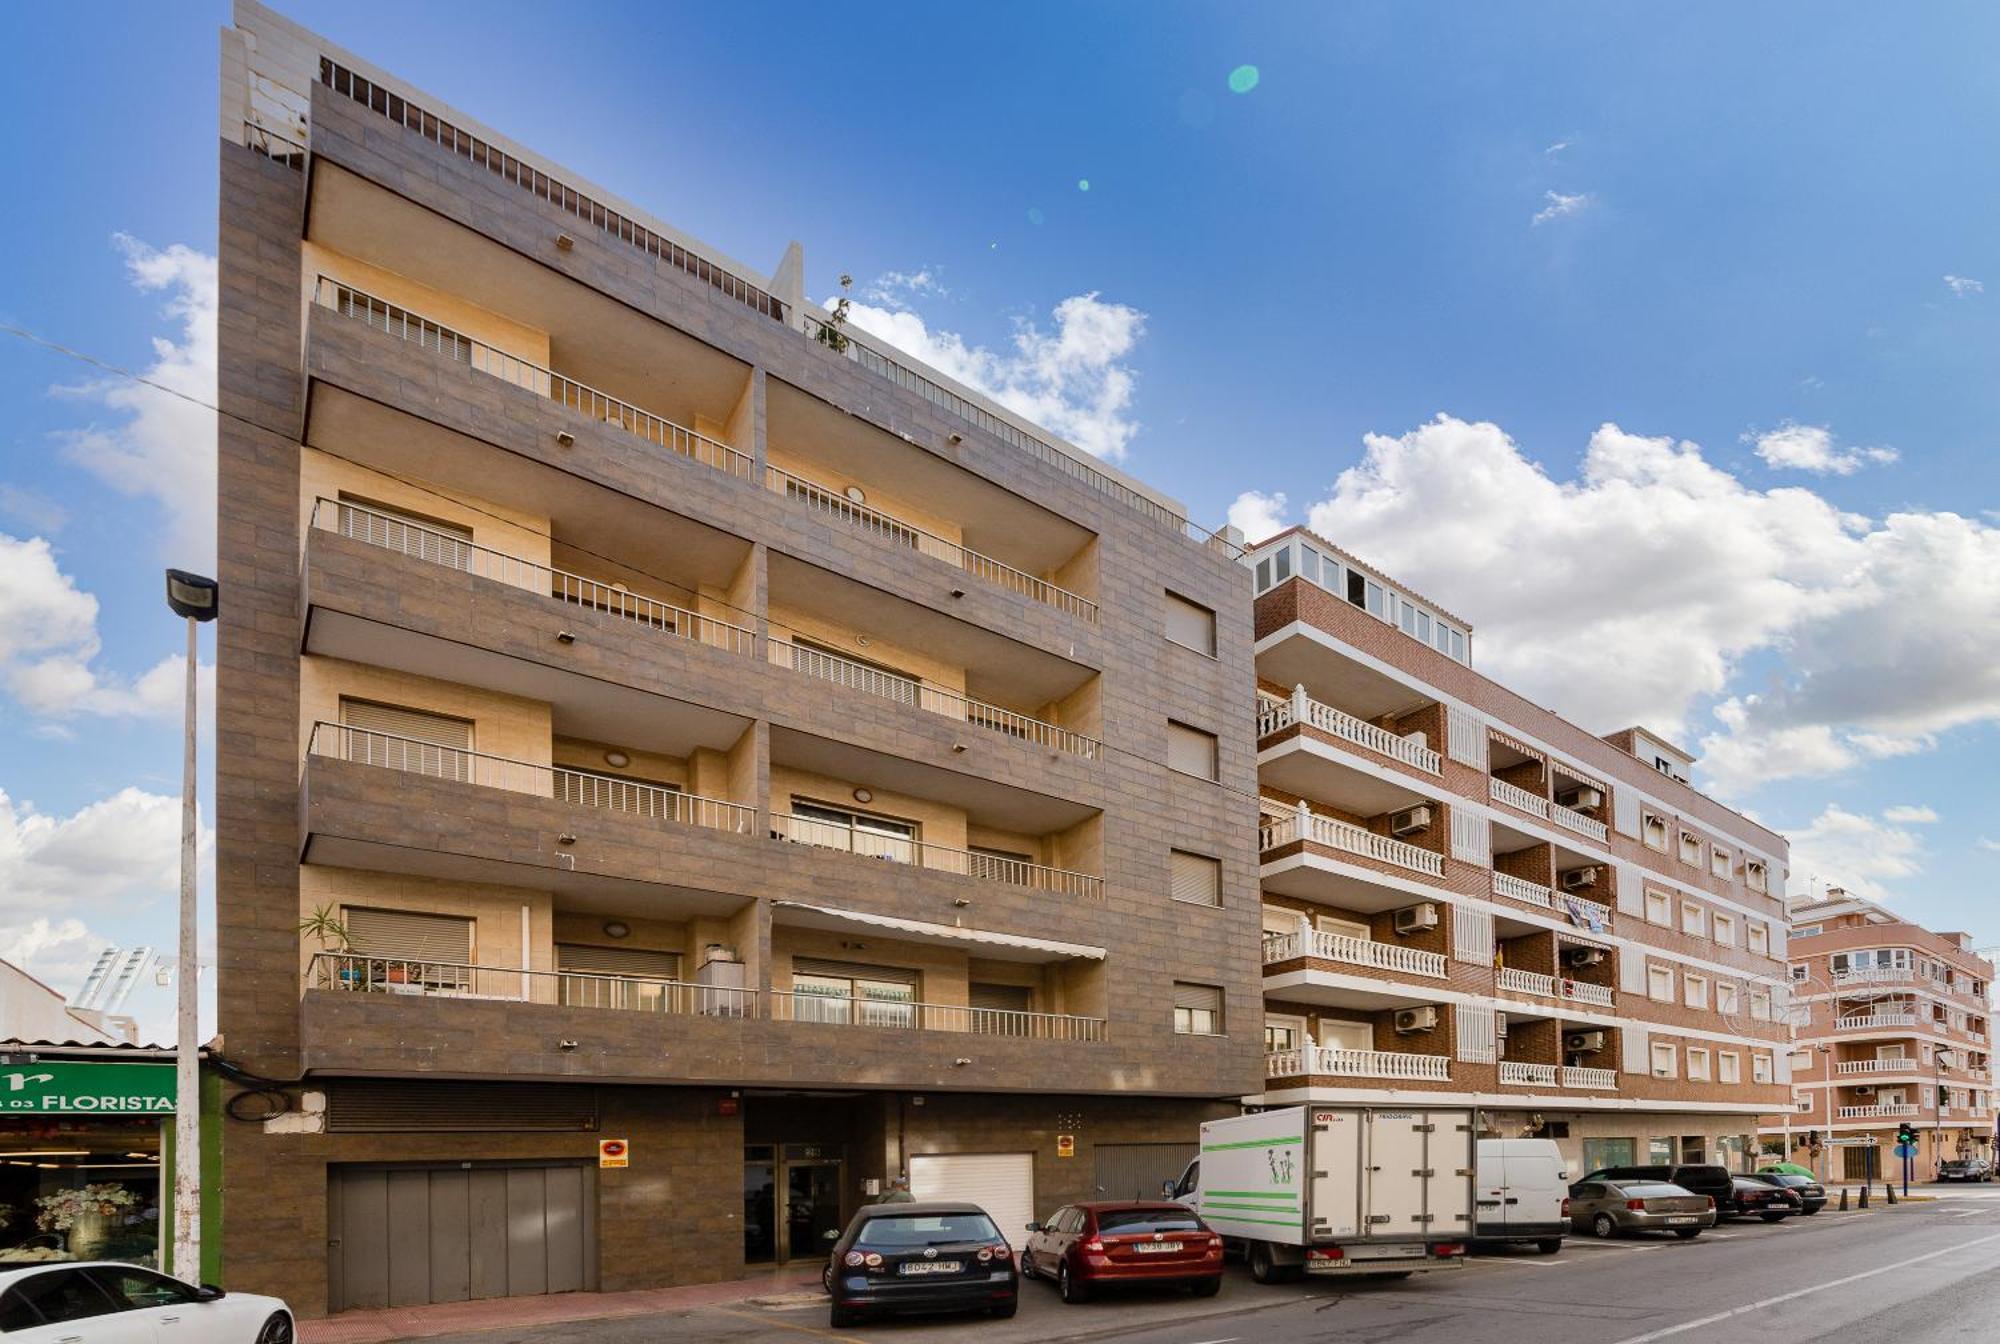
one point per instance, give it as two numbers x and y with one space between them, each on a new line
208 1292
1034 1227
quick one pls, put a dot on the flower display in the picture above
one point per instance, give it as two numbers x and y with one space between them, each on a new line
64 1209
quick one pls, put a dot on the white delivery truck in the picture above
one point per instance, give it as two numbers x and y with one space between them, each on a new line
1345 1190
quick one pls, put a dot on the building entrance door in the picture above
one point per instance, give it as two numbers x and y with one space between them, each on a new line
791 1201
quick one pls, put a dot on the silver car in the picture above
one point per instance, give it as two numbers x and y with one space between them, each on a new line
1608 1209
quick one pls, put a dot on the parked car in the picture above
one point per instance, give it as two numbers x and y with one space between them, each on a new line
1522 1194
1608 1208
1812 1195
1749 1195
104 1302
1084 1247
1965 1169
1698 1178
916 1258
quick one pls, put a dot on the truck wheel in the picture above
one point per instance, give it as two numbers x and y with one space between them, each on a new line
1262 1267
1549 1247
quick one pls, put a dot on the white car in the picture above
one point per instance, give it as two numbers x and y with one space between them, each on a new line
103 1302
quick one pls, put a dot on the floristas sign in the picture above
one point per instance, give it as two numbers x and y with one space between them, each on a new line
69 1089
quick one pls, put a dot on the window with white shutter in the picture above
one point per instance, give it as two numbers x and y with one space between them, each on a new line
1631 898
1471 837
1625 812
1665 1059
1477 1041
1190 625
1465 737
1197 879
1197 1009
1632 972
406 739
1472 935
1190 750
1728 1067
1636 1046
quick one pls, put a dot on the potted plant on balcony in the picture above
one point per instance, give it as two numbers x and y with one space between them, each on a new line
325 926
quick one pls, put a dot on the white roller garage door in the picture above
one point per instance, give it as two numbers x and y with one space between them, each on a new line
1003 1184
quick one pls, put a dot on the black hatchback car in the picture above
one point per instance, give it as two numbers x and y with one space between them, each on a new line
906 1259
1694 1177
1812 1195
1752 1197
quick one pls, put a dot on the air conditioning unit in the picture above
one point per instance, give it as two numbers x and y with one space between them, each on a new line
1583 799
1578 879
1410 1021
1417 918
1865 1090
1500 1024
1584 1042
1410 821
1583 956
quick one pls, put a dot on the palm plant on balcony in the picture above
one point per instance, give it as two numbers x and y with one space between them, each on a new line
831 333
325 926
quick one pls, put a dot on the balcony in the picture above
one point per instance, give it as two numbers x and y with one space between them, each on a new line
1353 952
906 1015
1325 1061
1597 1080
1875 1021
438 341
1515 1073
854 840
1876 975
355 973
1522 890
1275 715
1512 795
1331 833
1572 820
934 699
1866 1066
1534 983
1882 1111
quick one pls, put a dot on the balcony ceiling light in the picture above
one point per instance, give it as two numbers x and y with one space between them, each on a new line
863 796
617 928
855 495
617 758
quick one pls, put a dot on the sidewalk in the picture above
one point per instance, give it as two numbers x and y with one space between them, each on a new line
394 1323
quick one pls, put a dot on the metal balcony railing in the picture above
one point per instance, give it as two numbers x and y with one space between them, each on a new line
406 537
1274 714
1353 951
1331 1062
1352 839
582 398
580 788
908 1015
937 858
919 694
1530 1075
280 149
367 973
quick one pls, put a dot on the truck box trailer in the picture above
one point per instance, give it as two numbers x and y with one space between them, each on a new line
1339 1190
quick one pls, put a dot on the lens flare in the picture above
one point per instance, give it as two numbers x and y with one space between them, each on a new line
1083 184
1243 79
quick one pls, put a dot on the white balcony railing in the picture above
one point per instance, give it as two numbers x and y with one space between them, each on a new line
1869 1021
580 788
1884 1111
1572 820
908 1015
360 973
1274 715
1517 797
1582 991
1875 975
937 858
1354 952
893 531
1852 1066
602 407
1331 1062
931 698
437 547
1595 1079
1526 982
1527 1075
1521 889
1302 824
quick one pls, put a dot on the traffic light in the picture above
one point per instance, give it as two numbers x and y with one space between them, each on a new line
1905 1134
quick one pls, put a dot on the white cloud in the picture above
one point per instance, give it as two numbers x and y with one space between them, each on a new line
1560 205
1963 285
49 643
1986 844
1649 581
38 511
160 445
1074 380
1908 814
898 289
1557 148
1258 515
1811 448
1860 853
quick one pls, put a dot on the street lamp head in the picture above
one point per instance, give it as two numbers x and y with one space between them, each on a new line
192 596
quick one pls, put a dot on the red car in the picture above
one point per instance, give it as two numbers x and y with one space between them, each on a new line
1084 1247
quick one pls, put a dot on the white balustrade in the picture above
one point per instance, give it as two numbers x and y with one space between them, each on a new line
1595 1079
1517 797
1582 991
1528 1075
1867 1021
1526 982
1331 1062
1521 889
1273 715
1883 1111
1349 838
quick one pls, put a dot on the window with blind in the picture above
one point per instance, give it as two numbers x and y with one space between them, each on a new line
395 529
1190 750
1190 625
408 947
1197 1009
1197 879
634 978
859 832
406 739
1001 1010
853 993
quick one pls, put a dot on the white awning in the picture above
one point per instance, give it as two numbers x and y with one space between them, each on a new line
998 946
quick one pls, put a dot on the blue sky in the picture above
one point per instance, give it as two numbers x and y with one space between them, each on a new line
1767 231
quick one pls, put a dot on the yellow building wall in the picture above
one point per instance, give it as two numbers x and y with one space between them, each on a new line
446 309
513 532
502 725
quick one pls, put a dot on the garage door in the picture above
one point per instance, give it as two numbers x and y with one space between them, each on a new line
1137 1170
405 1236
1003 1184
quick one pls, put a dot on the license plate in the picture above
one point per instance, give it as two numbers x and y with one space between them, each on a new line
915 1267
1690 1218
1156 1247
1385 1252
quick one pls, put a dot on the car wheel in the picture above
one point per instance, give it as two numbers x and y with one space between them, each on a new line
277 1329
1262 1267
1687 1233
1005 1311
1206 1287
1604 1227
1549 1247
1067 1288
1027 1263
826 1280
1772 1217
842 1318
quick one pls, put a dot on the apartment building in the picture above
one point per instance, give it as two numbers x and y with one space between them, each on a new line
1893 1029
1468 898
654 714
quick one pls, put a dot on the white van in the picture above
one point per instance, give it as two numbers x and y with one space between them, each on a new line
1523 1193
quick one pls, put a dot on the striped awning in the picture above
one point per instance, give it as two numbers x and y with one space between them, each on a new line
998 946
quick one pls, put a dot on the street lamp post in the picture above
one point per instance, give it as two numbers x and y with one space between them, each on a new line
197 599
1939 1062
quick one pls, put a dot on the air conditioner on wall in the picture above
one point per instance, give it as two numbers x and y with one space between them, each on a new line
1410 821
1410 1021
1583 956
1582 799
1865 1090
1584 1042
1417 918
1577 879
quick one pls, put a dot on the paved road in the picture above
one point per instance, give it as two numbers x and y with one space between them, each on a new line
1920 1273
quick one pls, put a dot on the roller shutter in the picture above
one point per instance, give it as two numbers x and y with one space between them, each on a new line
406 739
1003 1184
1190 625
408 935
1190 750
1197 879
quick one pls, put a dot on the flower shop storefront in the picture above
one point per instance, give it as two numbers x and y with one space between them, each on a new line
81 1149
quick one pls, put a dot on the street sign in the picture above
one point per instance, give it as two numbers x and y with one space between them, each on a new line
613 1153
1906 1151
1858 1141
94 1089
1065 1145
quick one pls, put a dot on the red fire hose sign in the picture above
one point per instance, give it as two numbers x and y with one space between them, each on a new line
614 1153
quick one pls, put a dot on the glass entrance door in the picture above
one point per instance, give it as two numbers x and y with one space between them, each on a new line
760 1205
791 1202
812 1209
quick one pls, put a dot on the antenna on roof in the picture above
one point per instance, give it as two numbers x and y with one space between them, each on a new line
112 978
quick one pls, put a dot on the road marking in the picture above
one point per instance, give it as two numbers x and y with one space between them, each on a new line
1231 1339
1796 1294
787 1325
1963 1213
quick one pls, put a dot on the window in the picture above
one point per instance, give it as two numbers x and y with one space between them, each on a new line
61 1296
405 739
1801 1059
1197 879
1753 875
856 832
1659 909
1760 1068
1760 1004
141 1288
1654 831
632 978
1283 1031
1697 1064
1693 920
1666 1060
1281 565
407 948
1694 990
1760 937
1660 983
1718 863
1723 929
1728 1067
1725 997
1309 564
1799 973
1190 750
1197 1009
1190 625
1690 848
847 993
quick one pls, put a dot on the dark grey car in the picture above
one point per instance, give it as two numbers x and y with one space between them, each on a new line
1606 1209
